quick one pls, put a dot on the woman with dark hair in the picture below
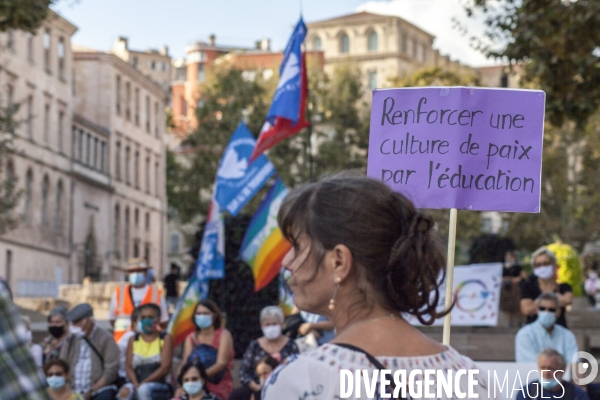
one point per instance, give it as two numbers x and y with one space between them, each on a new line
59 385
149 358
192 379
211 345
363 256
58 329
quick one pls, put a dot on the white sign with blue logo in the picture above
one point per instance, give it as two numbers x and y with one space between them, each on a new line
237 180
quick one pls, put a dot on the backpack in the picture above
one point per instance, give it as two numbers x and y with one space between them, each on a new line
207 355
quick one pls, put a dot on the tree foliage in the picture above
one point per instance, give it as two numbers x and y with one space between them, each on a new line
26 15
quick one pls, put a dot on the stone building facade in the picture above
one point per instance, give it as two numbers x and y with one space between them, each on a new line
382 46
89 160
113 94
37 73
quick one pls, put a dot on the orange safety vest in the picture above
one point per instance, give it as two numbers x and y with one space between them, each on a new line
124 307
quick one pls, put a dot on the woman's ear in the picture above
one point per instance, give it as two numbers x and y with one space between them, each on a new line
339 260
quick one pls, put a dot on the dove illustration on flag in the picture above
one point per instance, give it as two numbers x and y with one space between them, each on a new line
287 115
238 180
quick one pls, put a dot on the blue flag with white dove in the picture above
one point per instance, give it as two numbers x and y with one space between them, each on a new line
238 180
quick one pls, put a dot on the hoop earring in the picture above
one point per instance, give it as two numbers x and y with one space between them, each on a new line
335 290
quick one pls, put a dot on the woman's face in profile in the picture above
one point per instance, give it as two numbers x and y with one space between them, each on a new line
310 284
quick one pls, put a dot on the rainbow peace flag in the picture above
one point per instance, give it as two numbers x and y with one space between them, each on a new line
264 246
181 323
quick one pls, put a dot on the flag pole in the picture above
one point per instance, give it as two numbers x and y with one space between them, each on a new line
450 273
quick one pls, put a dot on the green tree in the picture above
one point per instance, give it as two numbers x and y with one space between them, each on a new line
26 15
556 42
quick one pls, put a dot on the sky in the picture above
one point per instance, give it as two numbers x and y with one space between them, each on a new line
179 23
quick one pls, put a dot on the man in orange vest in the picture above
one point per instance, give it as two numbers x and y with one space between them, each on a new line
129 296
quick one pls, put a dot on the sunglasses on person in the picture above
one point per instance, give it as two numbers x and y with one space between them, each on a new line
551 309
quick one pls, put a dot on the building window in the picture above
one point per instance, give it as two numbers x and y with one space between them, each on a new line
372 80
156 179
10 94
45 188
148 114
10 40
137 106
61 124
8 274
415 48
424 54
152 65
28 189
148 175
96 151
127 165
47 50
58 211
118 161
156 119
88 149
128 101
147 224
102 155
486 225
73 140
126 236
147 253
373 41
30 116
136 218
30 37
118 95
61 57
344 44
174 245
136 248
116 231
201 73
11 180
317 43
134 62
81 140
136 170
47 123
404 43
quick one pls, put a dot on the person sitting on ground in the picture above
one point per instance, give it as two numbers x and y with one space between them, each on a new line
263 369
92 355
35 349
123 343
212 345
59 384
273 344
362 255
193 379
552 367
58 327
543 280
149 359
544 333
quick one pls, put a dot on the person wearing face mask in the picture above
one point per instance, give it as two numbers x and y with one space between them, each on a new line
551 385
57 376
544 333
129 296
35 349
543 280
211 345
272 344
592 287
59 330
149 359
192 379
92 355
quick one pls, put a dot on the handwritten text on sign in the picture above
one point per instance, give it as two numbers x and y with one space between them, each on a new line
466 148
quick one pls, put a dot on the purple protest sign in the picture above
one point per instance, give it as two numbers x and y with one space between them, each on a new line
458 147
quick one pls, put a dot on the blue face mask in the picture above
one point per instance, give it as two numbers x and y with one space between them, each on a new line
203 321
546 318
551 384
56 382
192 388
137 278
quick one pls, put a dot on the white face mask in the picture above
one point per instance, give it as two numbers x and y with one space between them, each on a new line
545 272
272 332
29 337
76 330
